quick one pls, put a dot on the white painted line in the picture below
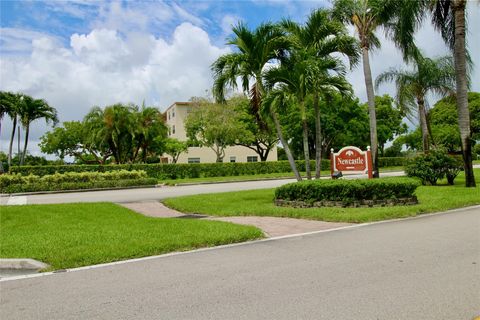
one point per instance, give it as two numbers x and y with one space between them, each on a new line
422 216
16 200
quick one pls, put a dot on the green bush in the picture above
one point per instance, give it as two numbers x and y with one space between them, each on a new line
175 171
435 165
163 171
347 190
73 180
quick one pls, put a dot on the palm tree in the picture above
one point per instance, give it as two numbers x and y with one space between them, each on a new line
149 125
256 49
300 75
30 110
448 16
321 37
366 16
429 75
9 103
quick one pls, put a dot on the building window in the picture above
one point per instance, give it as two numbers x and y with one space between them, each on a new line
233 159
193 160
173 113
173 129
252 159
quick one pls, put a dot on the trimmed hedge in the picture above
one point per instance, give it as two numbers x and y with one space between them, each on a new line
393 161
194 170
347 190
175 171
73 181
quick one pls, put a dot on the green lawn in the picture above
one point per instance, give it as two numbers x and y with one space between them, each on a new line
74 235
260 203
277 175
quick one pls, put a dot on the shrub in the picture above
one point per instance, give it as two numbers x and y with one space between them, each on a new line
73 181
347 190
175 171
435 165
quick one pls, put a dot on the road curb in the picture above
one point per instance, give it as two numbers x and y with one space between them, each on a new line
171 254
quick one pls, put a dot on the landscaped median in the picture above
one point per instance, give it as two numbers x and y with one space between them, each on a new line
75 235
261 203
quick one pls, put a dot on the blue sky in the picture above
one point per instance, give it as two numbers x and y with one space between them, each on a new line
77 54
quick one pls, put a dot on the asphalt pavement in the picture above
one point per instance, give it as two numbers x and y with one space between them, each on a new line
146 194
422 268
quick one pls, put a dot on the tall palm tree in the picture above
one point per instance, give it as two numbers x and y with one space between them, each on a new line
448 17
30 110
366 16
255 50
10 103
428 75
321 37
300 75
7 107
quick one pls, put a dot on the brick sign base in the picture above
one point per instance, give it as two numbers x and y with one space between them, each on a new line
350 204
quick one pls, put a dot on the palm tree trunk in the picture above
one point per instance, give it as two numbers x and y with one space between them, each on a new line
318 137
285 146
422 116
367 72
462 98
306 151
1 162
24 153
19 151
12 137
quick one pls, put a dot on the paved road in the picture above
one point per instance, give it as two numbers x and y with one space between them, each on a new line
145 194
424 268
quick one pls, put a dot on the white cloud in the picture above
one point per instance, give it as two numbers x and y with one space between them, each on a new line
104 67
19 41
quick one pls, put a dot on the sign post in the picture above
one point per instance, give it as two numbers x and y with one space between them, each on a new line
351 159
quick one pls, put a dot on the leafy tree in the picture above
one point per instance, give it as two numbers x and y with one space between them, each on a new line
175 148
344 122
389 121
448 17
260 140
72 140
31 109
255 50
215 126
444 121
428 76
125 132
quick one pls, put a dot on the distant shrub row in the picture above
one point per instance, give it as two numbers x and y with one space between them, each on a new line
73 181
348 190
194 170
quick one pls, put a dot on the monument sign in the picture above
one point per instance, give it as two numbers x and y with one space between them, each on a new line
351 159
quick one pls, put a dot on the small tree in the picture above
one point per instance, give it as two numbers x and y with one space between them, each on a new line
261 140
215 126
175 148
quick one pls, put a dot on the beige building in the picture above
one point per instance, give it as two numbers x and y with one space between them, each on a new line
175 119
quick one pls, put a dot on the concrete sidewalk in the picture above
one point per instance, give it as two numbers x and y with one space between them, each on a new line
271 226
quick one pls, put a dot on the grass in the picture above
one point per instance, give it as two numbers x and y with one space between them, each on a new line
260 203
277 175
74 235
